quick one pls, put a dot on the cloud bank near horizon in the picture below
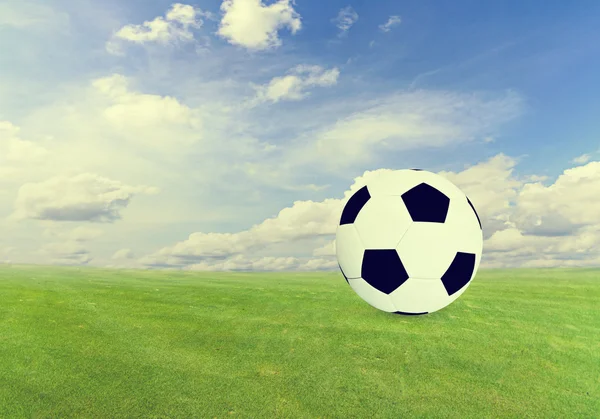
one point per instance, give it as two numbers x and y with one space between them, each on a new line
244 160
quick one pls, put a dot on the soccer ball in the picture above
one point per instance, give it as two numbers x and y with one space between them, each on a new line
409 242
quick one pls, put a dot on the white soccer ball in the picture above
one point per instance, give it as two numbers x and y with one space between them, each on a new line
409 242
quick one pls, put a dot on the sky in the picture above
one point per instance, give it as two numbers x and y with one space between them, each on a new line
227 135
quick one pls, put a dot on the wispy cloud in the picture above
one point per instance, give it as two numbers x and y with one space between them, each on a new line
462 65
391 22
31 16
583 159
405 121
345 19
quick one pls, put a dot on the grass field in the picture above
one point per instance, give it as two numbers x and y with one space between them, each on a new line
93 343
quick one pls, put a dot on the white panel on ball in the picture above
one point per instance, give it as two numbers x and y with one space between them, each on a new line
463 221
349 250
421 296
376 298
394 183
427 249
382 222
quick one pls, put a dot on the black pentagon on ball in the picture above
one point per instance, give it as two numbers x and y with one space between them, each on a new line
476 215
410 314
342 271
459 273
354 205
383 269
426 204
417 170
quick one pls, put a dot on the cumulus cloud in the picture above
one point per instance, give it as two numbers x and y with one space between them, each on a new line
253 25
521 219
316 219
175 27
512 248
123 254
14 150
295 85
153 120
224 251
492 188
111 127
242 263
303 220
85 197
346 17
530 224
563 207
327 249
19 158
391 22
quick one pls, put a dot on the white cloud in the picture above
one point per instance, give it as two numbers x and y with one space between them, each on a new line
18 157
345 19
68 246
85 197
15 150
303 220
391 22
512 248
408 121
30 15
123 254
326 250
158 121
316 219
253 25
110 128
528 224
533 225
558 209
506 206
242 263
295 84
67 253
583 159
175 27
492 188
230 251
367 131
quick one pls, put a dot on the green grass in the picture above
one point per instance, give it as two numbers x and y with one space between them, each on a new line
92 343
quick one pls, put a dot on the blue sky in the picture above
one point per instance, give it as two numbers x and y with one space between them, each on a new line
128 146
